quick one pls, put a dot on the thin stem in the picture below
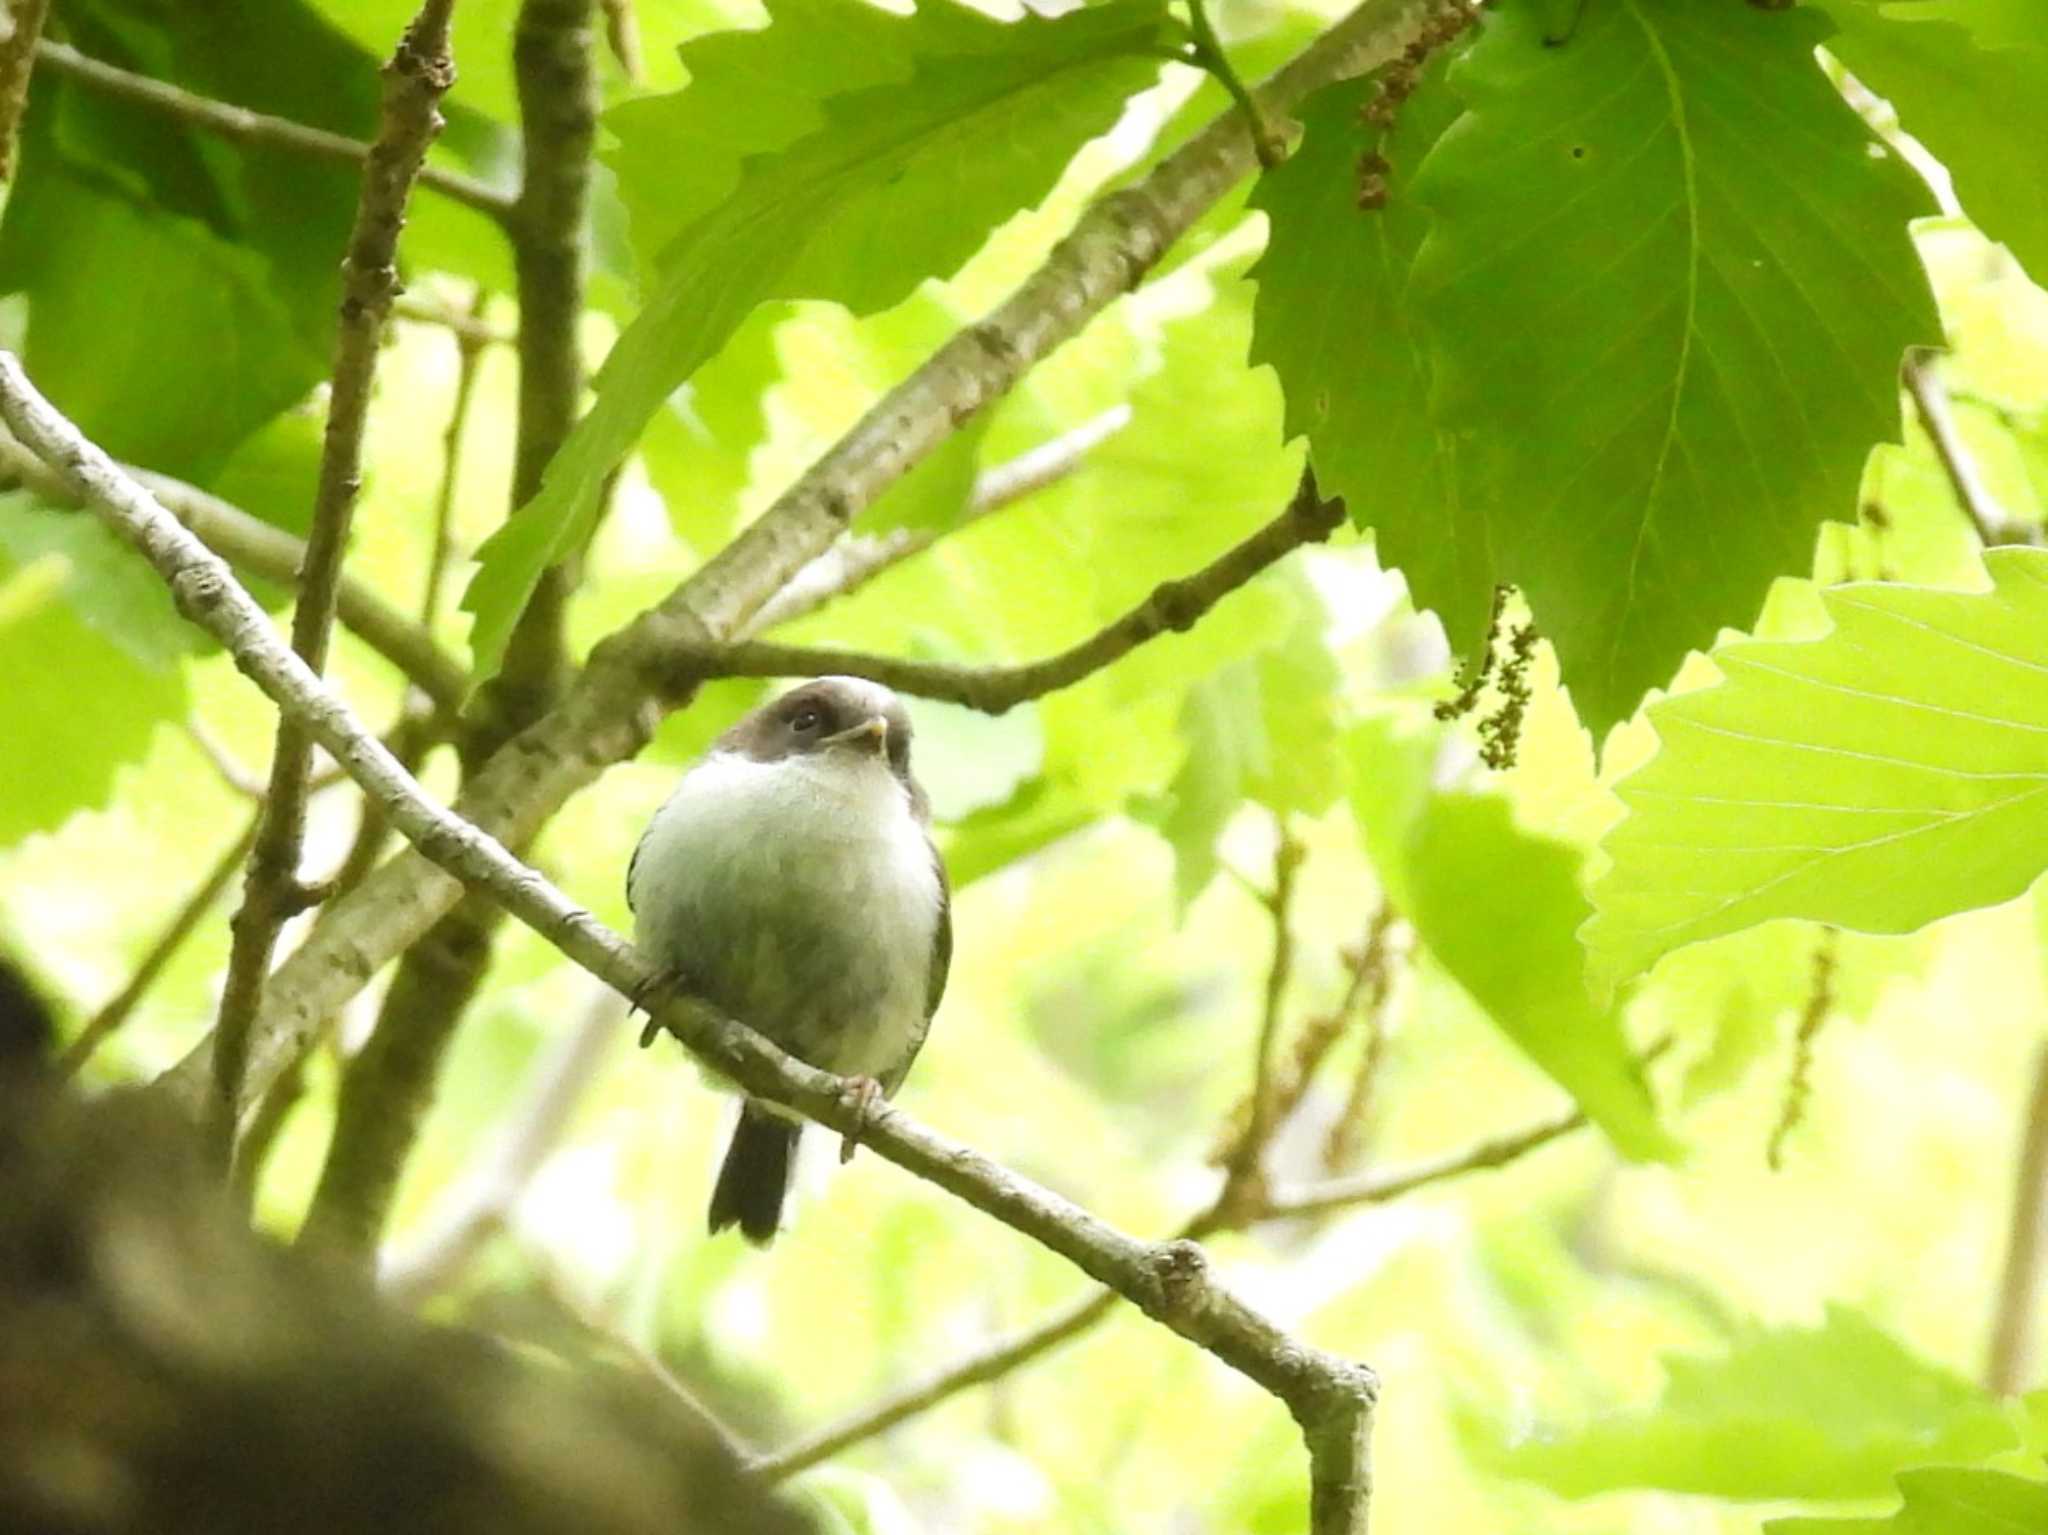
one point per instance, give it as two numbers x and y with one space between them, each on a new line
419 73
1084 1312
1243 1174
17 63
1372 983
1173 605
469 350
2009 1365
183 923
852 563
243 126
469 327
1208 55
1973 495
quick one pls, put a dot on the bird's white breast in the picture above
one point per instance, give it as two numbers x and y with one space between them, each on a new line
745 854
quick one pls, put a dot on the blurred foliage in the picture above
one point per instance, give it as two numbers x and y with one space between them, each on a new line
1678 346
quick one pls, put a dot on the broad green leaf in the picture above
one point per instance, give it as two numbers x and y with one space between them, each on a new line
1668 283
1967 78
84 700
1945 1500
112 589
1499 910
885 161
1878 778
1263 729
1357 373
1827 1412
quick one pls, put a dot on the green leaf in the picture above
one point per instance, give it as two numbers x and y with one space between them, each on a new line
1357 374
83 698
112 588
1263 729
1668 282
1826 1412
1883 776
1945 1500
1499 910
884 154
1967 78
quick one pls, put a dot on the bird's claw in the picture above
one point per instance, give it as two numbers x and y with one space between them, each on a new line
863 1095
652 996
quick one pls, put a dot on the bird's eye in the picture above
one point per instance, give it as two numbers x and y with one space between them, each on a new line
805 719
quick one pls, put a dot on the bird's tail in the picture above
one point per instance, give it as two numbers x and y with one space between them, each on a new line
755 1176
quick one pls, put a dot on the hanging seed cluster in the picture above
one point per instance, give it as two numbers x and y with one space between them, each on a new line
1397 83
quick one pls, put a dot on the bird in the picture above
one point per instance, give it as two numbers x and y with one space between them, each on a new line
790 881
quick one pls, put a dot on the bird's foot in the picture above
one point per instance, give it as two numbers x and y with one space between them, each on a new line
659 990
864 1096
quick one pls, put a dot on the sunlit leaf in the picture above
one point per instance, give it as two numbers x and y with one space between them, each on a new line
1945 1500
1826 1412
1967 78
886 156
1878 778
1499 910
87 704
1640 241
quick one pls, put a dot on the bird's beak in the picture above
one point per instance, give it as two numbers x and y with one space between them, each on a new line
872 734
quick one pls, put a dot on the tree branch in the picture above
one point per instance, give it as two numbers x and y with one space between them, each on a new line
1173 605
853 562
2009 1364
242 126
24 21
419 73
1331 1398
275 555
610 711
1972 494
1079 1315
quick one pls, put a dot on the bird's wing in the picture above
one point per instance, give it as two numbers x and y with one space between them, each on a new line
942 938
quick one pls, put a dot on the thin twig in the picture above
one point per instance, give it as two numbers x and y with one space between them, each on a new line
1820 1001
1173 605
2010 1363
1243 1173
419 73
472 326
242 126
469 350
17 63
270 552
230 772
183 923
1332 1399
1079 1315
522 1143
1973 495
853 562
1372 984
